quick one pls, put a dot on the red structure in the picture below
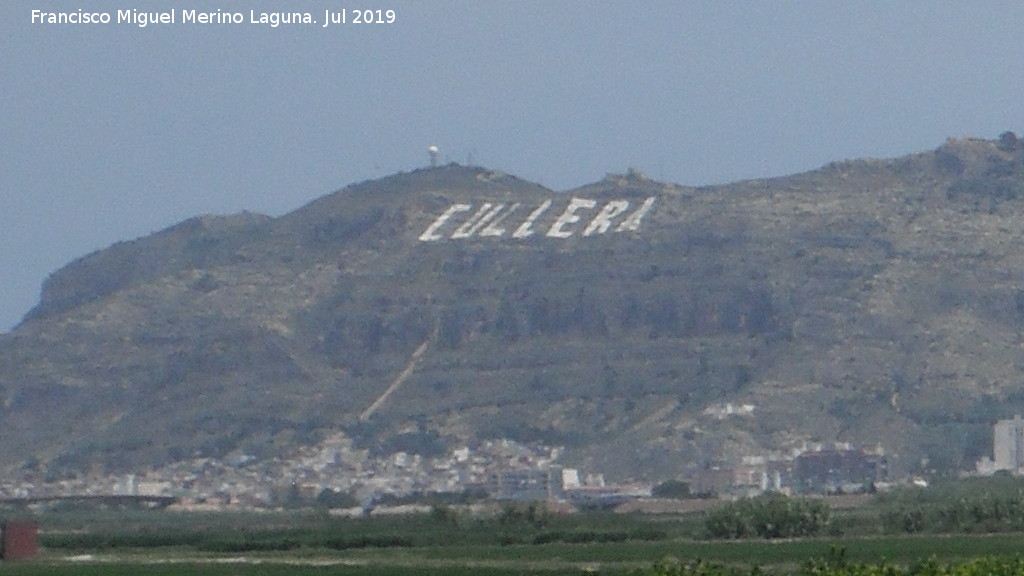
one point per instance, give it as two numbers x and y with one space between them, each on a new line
20 540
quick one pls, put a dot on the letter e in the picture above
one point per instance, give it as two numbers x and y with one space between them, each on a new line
569 217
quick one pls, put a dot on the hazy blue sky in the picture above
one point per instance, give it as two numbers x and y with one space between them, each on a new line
110 132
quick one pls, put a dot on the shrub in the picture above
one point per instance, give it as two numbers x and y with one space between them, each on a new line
534 514
591 536
368 541
674 489
249 545
768 516
904 519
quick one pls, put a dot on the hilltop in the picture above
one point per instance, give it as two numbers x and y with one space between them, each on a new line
876 302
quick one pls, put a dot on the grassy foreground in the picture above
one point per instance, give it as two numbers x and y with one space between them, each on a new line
908 555
511 542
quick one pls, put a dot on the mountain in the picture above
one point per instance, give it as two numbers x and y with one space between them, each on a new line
876 302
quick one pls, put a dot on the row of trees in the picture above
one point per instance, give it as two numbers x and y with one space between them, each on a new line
996 507
975 505
978 505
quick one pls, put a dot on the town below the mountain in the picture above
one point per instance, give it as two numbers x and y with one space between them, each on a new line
337 474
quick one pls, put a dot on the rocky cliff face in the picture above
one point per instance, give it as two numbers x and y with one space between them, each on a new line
870 301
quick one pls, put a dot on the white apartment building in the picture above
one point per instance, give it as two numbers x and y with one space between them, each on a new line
1008 444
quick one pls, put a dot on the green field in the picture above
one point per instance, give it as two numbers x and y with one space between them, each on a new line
789 557
511 541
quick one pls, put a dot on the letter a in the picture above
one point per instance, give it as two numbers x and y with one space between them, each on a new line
633 221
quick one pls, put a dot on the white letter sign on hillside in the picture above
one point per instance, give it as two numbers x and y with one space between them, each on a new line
461 221
569 217
429 233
